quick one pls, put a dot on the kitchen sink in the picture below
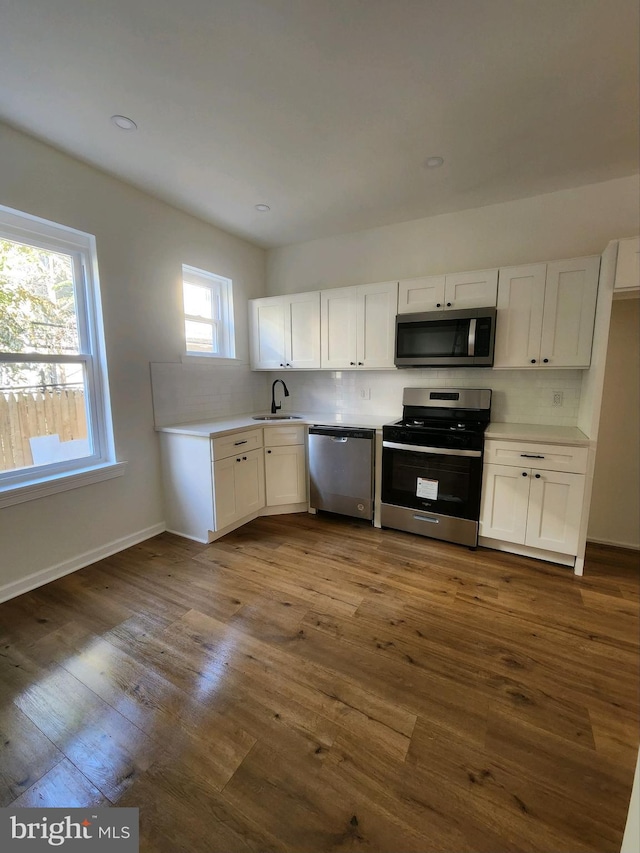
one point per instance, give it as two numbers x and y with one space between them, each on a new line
277 417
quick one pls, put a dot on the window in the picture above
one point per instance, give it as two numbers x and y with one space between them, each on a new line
208 314
53 392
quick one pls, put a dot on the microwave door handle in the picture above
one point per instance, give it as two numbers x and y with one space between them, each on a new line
471 350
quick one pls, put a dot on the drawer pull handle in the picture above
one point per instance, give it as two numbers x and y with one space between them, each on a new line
426 518
237 443
531 456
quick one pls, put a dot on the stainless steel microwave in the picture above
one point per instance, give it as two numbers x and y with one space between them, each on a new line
462 338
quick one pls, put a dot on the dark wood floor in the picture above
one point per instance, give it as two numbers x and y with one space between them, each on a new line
312 684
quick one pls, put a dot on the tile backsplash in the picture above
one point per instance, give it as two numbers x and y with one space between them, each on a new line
519 396
192 392
197 392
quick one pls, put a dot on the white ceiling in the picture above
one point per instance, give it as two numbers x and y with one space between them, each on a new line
327 109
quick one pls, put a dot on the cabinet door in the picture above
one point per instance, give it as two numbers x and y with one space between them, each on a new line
267 333
224 492
285 475
421 294
303 331
569 312
376 324
249 483
555 510
338 328
519 320
628 265
505 499
471 289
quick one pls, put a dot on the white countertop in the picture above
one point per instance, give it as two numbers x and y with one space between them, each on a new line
504 431
537 432
221 426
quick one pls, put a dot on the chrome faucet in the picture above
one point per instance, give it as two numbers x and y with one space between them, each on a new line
275 408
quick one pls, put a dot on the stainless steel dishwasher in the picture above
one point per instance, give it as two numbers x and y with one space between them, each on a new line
341 470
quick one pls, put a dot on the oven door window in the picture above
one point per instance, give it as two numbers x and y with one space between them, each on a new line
449 485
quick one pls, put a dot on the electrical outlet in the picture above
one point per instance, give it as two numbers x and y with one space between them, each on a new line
557 398
365 393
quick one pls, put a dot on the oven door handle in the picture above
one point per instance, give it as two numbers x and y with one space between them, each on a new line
440 451
471 346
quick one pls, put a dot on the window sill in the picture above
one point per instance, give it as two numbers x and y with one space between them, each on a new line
211 360
40 487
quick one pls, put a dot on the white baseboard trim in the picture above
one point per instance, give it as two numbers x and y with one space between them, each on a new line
630 546
32 581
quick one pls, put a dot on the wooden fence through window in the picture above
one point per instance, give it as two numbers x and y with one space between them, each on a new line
25 415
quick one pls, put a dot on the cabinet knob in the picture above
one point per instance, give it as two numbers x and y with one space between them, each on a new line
546 360
537 476
524 474
438 304
360 363
448 305
533 361
268 451
352 363
237 458
281 364
288 365
244 458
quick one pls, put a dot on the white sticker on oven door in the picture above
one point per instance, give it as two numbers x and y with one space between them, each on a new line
427 488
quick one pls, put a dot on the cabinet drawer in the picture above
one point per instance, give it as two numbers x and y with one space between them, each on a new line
229 445
283 435
546 457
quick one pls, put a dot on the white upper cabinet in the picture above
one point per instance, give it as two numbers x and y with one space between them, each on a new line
448 292
546 314
519 319
358 326
421 294
628 266
285 332
338 323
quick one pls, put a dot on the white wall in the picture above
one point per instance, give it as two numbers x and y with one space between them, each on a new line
141 244
615 502
557 225
565 224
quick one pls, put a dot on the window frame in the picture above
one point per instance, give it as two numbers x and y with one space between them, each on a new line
221 289
17 485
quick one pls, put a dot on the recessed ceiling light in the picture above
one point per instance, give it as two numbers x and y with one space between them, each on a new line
263 208
124 123
433 162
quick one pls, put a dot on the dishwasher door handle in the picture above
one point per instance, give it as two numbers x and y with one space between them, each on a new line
339 438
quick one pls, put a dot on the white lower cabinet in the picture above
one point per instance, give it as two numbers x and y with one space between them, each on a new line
213 486
285 464
555 509
238 487
285 473
535 507
540 509
505 503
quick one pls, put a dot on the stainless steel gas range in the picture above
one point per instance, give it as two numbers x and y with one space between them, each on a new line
432 463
